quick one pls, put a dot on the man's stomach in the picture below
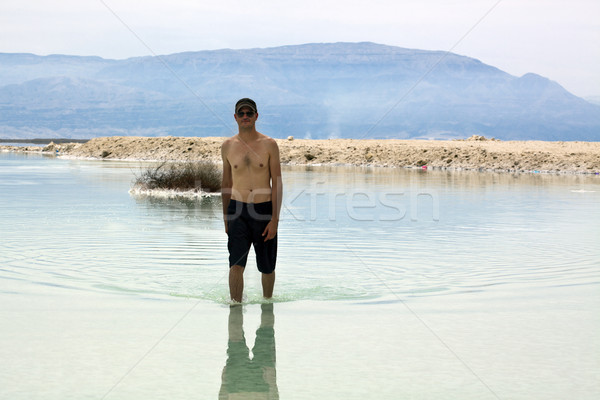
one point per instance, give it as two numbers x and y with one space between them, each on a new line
255 195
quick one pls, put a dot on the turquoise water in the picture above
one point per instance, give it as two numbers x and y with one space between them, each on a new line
391 284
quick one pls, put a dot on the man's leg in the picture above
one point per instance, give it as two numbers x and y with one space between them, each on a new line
268 281
236 282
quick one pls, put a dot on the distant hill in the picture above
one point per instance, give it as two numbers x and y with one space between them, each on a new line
593 99
346 90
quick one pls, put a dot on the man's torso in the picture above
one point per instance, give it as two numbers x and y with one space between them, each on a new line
250 171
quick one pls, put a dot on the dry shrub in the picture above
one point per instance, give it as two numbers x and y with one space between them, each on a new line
181 176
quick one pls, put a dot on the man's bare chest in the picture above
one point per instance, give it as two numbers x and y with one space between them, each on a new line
246 158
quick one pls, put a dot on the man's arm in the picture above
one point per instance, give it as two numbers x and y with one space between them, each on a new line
226 182
276 190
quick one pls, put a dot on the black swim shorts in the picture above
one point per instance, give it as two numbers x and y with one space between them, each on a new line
246 223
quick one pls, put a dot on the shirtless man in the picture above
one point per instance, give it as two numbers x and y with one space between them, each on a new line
251 193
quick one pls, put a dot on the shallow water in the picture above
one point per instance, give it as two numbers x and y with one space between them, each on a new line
21 144
391 284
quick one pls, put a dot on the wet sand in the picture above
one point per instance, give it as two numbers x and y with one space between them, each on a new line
476 153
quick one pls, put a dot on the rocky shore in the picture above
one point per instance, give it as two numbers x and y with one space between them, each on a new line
475 153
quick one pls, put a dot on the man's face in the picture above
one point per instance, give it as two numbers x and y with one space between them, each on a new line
246 117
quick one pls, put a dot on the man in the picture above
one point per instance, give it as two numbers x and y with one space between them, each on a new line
251 194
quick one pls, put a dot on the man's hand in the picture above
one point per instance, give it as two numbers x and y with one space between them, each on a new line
271 230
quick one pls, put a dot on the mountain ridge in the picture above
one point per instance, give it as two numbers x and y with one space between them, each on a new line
341 89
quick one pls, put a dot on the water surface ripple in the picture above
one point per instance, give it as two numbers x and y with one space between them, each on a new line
346 233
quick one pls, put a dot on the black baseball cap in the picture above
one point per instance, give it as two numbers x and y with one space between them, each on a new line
245 102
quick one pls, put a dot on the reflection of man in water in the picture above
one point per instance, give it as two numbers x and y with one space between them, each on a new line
251 192
245 378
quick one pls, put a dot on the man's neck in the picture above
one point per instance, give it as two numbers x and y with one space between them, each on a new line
248 134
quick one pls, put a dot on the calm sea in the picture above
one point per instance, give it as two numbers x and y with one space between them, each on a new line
391 284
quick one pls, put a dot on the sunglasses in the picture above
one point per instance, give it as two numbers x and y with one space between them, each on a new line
247 113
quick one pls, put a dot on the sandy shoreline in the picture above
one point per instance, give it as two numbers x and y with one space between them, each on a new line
470 154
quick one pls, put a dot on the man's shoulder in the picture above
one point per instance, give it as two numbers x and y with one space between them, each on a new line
228 142
269 141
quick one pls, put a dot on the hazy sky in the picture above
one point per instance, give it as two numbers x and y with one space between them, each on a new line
558 39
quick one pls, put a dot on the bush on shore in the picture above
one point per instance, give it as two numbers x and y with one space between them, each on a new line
181 176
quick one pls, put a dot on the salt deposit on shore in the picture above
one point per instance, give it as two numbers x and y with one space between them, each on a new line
476 153
171 194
